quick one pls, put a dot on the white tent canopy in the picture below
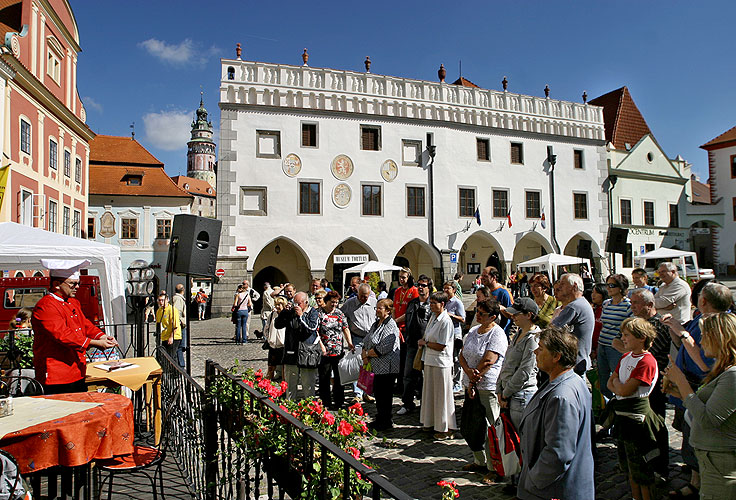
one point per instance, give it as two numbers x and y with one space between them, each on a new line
23 247
372 266
664 253
551 261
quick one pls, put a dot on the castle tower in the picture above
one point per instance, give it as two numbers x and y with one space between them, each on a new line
201 148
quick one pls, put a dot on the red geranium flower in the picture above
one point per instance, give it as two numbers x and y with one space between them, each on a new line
328 417
356 408
344 428
355 452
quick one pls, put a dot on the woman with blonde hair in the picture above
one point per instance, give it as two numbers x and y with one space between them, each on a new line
712 407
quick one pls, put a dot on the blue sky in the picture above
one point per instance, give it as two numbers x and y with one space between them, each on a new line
144 62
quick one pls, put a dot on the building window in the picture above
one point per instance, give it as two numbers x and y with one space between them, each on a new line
53 155
163 229
25 136
370 138
371 199
628 256
67 164
734 208
466 197
483 149
78 170
26 208
733 166
52 216
137 180
309 202
411 153
77 224
500 203
414 201
517 153
268 144
580 204
230 73
91 229
578 159
625 207
533 205
129 229
53 67
648 213
309 135
253 200
674 216
66 222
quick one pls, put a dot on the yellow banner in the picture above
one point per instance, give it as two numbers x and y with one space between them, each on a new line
4 171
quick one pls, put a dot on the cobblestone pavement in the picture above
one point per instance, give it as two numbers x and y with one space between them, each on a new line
406 456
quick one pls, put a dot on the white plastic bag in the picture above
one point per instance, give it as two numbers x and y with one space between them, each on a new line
349 366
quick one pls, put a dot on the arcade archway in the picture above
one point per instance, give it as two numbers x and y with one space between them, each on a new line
279 262
478 251
349 253
417 256
530 246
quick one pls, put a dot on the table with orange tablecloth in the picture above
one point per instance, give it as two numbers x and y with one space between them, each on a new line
101 432
146 371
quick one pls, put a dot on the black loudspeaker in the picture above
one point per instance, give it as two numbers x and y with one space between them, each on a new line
585 249
193 245
617 240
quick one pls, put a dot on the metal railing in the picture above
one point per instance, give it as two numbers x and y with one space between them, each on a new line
232 473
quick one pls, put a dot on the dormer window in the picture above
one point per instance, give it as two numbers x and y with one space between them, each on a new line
209 190
55 54
133 180
186 186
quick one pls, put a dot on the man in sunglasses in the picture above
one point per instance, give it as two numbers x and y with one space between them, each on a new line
61 332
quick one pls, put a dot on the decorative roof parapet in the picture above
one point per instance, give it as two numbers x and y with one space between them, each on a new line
303 87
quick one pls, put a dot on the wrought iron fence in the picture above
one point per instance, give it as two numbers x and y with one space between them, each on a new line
232 473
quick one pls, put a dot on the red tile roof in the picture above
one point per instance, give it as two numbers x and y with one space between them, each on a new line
10 16
701 192
194 186
465 83
109 149
114 160
623 120
723 140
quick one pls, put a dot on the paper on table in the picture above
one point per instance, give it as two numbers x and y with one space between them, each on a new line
131 378
28 412
116 368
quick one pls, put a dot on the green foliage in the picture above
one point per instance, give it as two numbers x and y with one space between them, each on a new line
373 279
23 348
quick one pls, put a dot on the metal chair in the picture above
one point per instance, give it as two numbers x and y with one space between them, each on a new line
21 385
144 458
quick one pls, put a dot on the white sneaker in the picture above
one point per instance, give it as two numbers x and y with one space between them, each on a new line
402 411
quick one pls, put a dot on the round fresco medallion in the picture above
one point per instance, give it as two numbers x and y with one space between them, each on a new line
342 167
341 195
292 165
389 170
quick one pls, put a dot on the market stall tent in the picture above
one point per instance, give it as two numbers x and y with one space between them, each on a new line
686 261
23 247
550 262
372 266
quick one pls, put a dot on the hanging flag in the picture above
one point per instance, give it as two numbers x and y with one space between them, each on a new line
544 220
508 216
3 181
477 214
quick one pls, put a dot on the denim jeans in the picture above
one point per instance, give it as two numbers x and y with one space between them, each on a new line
608 358
182 347
241 327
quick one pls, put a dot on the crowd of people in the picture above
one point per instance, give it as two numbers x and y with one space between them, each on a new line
541 358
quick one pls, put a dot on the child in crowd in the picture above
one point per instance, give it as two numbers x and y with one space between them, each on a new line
22 320
637 427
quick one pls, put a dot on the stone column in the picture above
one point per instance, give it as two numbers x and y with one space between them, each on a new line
223 289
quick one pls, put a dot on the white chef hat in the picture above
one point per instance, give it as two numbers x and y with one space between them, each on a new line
64 268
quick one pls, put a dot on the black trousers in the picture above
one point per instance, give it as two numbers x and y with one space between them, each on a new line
327 370
412 380
78 386
383 391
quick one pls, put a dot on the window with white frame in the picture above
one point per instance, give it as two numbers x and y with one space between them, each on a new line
483 149
53 155
533 205
625 207
78 170
26 207
77 224
500 203
129 228
580 205
52 215
309 135
66 221
163 229
25 136
578 159
67 163
466 200
648 213
371 199
53 66
309 197
517 153
415 201
370 137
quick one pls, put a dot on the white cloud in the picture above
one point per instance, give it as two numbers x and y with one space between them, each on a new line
179 54
168 130
91 103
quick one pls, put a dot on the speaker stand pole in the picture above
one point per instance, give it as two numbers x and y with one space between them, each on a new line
188 346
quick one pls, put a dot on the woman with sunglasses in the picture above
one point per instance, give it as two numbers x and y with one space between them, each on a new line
615 311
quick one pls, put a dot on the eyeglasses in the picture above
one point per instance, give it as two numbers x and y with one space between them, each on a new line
72 284
422 285
612 285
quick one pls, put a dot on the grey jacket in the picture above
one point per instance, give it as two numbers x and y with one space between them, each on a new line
713 409
384 339
519 371
555 442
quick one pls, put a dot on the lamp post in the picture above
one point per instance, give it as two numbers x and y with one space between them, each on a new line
139 288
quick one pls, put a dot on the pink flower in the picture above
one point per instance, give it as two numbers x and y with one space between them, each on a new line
328 418
344 428
355 452
356 408
284 385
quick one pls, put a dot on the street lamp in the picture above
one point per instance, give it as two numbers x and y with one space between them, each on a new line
139 288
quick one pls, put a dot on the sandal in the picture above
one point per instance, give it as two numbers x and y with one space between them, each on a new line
687 491
442 436
490 478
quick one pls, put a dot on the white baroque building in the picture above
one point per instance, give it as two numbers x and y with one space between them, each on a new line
321 168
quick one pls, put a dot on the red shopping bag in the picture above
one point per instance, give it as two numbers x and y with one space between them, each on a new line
365 379
505 447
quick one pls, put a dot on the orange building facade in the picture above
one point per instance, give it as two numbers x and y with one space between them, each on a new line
45 137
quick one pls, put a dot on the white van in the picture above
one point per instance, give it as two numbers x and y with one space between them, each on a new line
687 263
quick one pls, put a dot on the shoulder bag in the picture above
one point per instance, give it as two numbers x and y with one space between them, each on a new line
309 355
234 311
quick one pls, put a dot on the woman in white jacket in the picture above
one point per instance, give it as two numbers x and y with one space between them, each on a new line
438 403
274 338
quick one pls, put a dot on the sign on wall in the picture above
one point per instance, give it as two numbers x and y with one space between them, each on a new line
350 259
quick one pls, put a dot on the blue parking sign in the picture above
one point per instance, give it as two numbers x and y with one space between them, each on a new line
453 257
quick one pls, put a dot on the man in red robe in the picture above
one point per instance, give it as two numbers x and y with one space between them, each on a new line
61 332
